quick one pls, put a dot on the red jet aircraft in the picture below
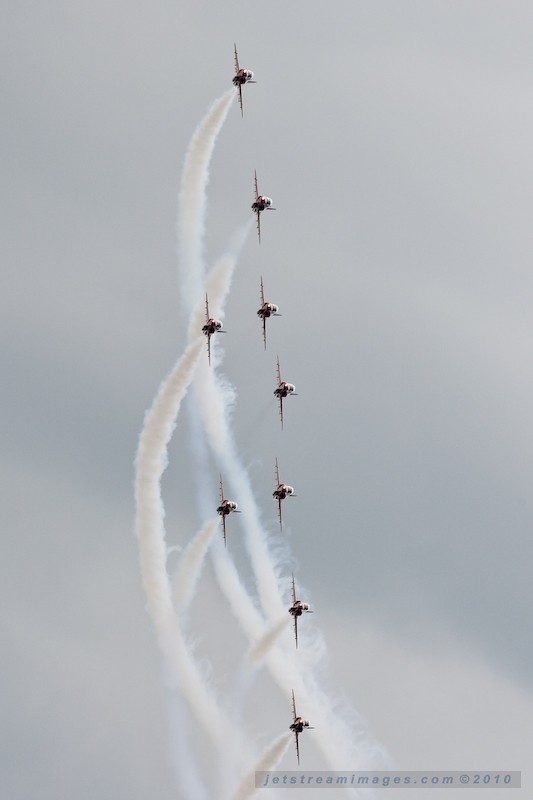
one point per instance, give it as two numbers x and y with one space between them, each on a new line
261 203
299 723
281 491
297 609
211 326
267 310
241 76
226 507
283 389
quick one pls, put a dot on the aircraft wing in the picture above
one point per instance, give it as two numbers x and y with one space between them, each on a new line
224 529
257 212
295 732
240 99
295 617
209 348
206 309
236 58
280 397
264 318
221 491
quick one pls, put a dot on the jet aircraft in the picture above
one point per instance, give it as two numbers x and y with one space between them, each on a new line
211 326
267 310
261 203
282 390
281 491
298 724
241 76
226 507
297 609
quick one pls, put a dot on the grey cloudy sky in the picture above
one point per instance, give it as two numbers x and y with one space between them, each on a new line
395 139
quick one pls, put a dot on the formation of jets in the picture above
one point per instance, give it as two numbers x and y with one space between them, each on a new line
283 389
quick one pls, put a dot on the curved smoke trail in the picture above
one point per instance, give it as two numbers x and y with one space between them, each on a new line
192 200
150 463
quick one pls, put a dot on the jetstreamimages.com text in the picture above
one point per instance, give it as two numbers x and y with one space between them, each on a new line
382 780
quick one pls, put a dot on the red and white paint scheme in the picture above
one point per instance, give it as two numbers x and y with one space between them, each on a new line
241 77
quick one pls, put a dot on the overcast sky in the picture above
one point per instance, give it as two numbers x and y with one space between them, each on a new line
394 137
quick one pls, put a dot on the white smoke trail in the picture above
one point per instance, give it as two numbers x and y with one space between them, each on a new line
192 199
268 761
151 461
190 565
261 647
